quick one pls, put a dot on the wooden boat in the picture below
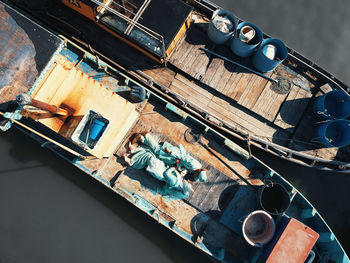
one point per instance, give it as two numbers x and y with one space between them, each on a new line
86 111
162 47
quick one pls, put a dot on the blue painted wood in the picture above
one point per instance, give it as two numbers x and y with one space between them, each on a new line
326 237
176 110
308 213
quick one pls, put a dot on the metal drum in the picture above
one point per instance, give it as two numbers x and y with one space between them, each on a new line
218 36
242 48
274 198
332 105
258 228
334 133
262 62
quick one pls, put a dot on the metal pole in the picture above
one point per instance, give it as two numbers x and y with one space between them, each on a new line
25 99
240 65
49 139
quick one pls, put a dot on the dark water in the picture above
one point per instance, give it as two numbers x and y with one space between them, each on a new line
51 212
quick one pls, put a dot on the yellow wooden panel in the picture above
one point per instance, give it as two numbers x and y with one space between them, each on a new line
80 93
54 79
179 34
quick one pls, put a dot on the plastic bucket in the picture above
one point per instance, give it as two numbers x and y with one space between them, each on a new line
96 129
264 64
216 35
258 228
332 105
241 48
274 198
334 133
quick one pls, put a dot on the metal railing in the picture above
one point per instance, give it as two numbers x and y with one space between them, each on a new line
134 22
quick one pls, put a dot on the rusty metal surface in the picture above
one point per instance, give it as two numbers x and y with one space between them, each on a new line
25 50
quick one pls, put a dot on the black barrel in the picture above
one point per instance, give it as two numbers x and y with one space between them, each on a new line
274 198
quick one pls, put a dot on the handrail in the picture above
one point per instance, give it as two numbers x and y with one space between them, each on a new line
137 17
143 28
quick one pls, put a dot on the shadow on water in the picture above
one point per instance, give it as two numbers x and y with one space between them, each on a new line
25 151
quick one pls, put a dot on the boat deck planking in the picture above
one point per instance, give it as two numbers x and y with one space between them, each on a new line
188 57
224 169
269 102
239 97
215 102
293 108
264 116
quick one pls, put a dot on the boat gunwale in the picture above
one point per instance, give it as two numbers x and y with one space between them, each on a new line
164 100
265 145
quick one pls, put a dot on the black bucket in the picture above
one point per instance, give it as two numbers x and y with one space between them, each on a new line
274 198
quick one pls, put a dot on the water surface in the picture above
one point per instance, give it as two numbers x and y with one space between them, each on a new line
52 212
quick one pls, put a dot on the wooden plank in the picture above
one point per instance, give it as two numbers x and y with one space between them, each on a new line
202 64
328 153
225 111
180 50
252 91
213 67
197 68
161 75
190 84
218 75
269 102
238 88
232 82
210 202
293 108
190 94
197 197
219 71
55 79
188 57
184 94
226 77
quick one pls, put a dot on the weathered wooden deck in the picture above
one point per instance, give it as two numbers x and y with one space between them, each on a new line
240 98
202 208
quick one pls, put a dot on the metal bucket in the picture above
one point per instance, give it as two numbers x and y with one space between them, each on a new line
258 228
334 133
264 64
216 35
332 105
241 48
274 198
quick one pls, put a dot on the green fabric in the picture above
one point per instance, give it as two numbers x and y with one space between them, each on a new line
179 153
160 164
145 158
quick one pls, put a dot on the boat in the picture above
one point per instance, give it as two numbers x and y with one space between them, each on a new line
169 49
182 173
